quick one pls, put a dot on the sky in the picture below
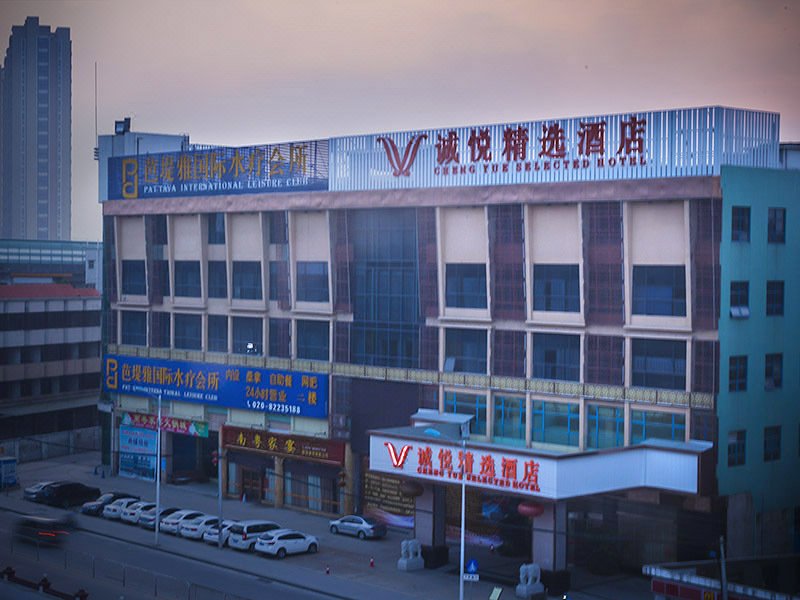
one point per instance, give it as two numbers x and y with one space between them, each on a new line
246 72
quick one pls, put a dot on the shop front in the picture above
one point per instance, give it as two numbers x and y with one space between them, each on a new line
283 470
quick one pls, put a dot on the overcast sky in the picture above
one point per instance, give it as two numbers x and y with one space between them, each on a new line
242 72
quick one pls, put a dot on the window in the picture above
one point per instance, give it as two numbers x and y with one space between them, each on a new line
247 280
774 298
659 363
737 374
188 332
217 279
773 371
465 350
133 278
556 287
647 425
134 328
740 224
216 228
468 404
776 226
312 340
276 271
740 299
555 423
556 356
159 225
217 333
247 335
659 290
605 426
772 443
279 337
604 359
187 278
159 329
161 277
736 447
277 228
312 281
465 285
509 419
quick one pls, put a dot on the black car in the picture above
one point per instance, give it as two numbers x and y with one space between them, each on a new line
95 507
68 493
43 530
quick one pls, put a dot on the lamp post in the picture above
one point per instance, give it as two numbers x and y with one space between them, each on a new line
158 470
463 511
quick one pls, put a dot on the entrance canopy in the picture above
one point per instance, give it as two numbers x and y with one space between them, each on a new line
424 453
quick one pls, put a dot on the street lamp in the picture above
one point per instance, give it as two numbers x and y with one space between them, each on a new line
158 470
463 511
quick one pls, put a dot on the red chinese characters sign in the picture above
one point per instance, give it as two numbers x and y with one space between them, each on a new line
489 468
169 424
293 446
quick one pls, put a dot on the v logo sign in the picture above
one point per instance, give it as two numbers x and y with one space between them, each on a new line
397 461
402 166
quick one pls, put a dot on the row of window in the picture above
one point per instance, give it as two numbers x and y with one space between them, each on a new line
773 372
559 422
740 299
43 386
15 355
312 279
776 225
215 228
30 321
737 445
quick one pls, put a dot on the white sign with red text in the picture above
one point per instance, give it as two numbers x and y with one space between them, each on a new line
491 469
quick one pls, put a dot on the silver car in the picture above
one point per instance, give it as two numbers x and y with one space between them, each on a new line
195 528
172 522
132 513
362 527
244 534
211 536
114 510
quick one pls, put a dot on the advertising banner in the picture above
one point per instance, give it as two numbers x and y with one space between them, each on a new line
168 424
289 446
276 392
293 167
137 452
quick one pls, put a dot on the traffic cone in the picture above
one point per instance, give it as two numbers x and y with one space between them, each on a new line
372 562
327 570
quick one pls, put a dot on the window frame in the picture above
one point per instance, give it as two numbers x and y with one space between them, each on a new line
185 272
546 279
649 281
465 285
776 225
312 281
772 443
737 448
740 223
773 371
775 298
737 373
246 283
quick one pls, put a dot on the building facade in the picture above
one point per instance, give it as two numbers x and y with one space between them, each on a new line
49 369
556 281
36 133
43 261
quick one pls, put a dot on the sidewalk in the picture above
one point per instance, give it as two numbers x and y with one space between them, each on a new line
347 558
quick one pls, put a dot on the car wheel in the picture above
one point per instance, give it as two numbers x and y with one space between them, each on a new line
334 529
281 552
361 535
312 549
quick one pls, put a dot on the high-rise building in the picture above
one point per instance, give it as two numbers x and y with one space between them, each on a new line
35 133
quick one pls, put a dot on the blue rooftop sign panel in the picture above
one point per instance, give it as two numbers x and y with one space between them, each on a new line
291 167
277 392
675 143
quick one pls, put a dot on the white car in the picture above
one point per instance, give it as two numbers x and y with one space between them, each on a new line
171 523
280 542
195 528
114 510
132 513
211 536
243 535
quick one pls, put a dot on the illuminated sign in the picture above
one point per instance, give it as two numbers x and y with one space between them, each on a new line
292 446
276 392
486 468
169 424
294 167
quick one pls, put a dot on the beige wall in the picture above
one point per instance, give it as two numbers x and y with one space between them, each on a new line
310 238
245 240
656 233
130 238
186 239
554 234
464 236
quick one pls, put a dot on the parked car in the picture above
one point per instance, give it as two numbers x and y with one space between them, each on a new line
133 511
171 523
68 493
211 536
195 528
34 492
243 535
114 509
43 530
363 527
148 518
95 507
280 542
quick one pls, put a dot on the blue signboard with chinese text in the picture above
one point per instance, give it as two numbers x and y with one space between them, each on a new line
277 392
293 167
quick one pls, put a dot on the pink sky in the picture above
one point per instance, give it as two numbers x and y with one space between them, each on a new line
244 72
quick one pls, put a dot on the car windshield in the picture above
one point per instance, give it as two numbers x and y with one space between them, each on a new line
237 528
369 521
105 498
268 535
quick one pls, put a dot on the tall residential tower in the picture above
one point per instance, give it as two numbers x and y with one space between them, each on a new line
35 133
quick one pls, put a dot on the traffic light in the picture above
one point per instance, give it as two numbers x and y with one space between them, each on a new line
215 458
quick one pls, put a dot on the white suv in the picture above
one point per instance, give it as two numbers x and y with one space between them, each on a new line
243 535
